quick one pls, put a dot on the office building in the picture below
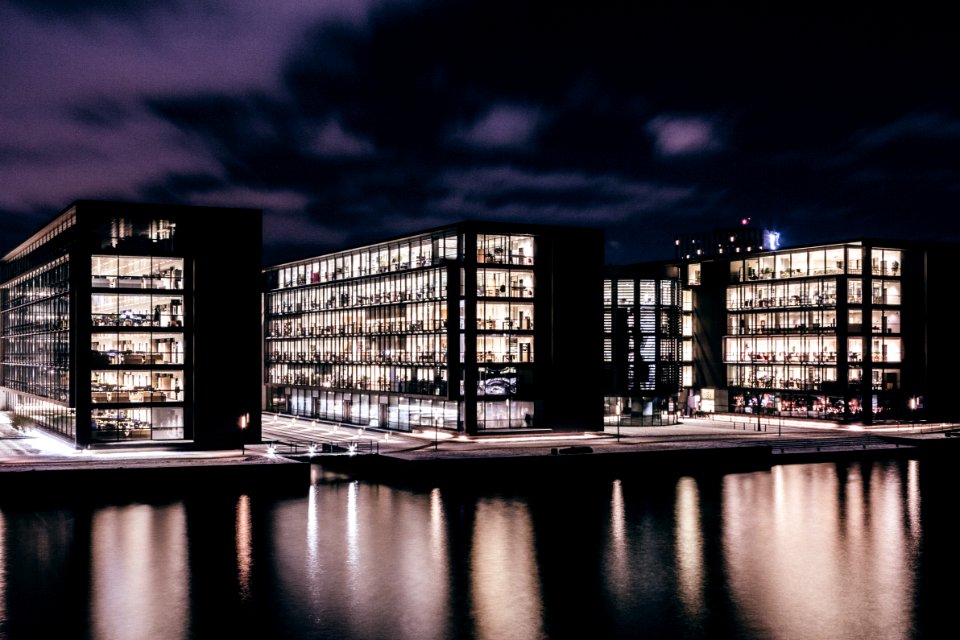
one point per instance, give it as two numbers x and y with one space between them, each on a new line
126 322
854 330
641 344
742 238
475 328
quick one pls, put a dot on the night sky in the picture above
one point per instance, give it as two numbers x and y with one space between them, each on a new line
348 121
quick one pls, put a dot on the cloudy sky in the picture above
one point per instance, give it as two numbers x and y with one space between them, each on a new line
347 121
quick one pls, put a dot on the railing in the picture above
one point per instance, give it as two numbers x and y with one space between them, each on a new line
771 331
827 300
788 418
322 446
152 281
365 357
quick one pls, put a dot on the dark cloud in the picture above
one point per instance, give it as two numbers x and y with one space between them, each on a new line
60 9
353 121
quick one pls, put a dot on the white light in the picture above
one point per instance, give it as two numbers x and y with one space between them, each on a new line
772 240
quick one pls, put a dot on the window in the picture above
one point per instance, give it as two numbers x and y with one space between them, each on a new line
136 272
505 249
855 291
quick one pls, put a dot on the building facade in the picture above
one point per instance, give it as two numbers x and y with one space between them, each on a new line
118 321
841 331
743 238
475 328
641 344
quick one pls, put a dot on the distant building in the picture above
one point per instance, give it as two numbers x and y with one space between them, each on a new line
854 330
735 239
126 322
476 328
641 344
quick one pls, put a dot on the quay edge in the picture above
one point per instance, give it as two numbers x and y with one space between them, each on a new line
143 481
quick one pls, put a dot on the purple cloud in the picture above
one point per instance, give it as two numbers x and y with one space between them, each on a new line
508 192
332 141
683 135
501 127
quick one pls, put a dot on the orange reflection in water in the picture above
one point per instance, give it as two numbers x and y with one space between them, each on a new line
3 570
618 557
689 546
244 545
438 538
503 571
366 552
804 559
140 581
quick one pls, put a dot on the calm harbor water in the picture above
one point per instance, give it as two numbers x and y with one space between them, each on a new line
829 550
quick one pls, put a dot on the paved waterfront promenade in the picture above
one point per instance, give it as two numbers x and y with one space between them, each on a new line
721 443
285 437
35 465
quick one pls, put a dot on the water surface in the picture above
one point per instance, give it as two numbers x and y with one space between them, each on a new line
847 550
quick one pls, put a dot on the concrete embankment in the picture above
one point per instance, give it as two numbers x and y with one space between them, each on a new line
139 480
483 469
549 465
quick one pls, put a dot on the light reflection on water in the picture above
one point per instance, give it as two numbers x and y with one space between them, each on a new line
689 547
244 545
804 551
3 572
506 598
829 557
139 572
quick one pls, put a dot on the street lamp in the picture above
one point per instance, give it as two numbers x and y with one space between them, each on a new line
759 401
243 422
618 409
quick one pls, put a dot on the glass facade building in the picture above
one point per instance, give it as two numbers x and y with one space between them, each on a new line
109 314
641 344
454 328
836 331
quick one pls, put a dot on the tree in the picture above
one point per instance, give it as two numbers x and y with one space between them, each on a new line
19 422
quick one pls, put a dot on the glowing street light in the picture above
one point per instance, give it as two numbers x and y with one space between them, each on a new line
243 422
618 410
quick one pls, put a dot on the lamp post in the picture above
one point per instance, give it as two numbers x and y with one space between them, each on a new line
759 400
618 410
244 420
